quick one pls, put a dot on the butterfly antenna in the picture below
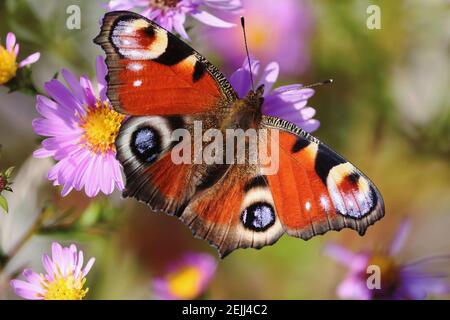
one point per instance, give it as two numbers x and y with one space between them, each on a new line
248 54
318 83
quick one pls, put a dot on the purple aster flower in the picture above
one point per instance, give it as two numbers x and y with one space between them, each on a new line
8 59
276 31
411 281
171 14
187 279
286 102
81 127
64 279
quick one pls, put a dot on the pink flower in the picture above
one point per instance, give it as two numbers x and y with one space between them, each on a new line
64 279
186 279
276 31
286 102
414 280
81 127
171 14
8 59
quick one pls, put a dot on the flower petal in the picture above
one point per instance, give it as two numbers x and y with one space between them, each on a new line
88 266
88 91
269 76
74 85
400 237
107 176
16 49
48 128
83 161
114 5
340 254
235 6
93 174
62 96
43 153
310 125
26 290
178 24
10 41
30 59
32 277
354 288
117 172
241 80
211 20
161 290
102 70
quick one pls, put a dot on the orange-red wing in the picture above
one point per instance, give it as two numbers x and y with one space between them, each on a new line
144 149
237 212
316 190
152 72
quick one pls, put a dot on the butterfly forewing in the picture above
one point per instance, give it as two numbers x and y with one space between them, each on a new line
316 189
152 72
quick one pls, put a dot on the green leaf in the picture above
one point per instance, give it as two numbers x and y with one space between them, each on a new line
22 82
8 172
3 203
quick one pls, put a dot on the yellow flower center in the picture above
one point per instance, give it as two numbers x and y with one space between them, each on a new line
258 37
390 273
8 65
185 283
66 288
101 126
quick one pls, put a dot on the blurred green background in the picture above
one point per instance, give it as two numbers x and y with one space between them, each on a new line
388 112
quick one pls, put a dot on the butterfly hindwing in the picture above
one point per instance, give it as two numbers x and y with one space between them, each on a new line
143 148
152 72
237 212
151 150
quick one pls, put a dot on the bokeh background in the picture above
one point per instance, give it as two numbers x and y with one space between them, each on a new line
388 111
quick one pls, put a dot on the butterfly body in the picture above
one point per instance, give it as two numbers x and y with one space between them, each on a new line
246 113
304 189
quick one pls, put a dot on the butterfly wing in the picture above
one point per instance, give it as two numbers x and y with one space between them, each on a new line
237 212
232 206
152 72
143 148
313 191
316 189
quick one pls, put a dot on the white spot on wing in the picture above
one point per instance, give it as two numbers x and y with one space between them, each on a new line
308 205
137 83
135 66
325 203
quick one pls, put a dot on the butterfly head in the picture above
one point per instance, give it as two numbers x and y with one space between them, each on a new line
255 98
247 112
